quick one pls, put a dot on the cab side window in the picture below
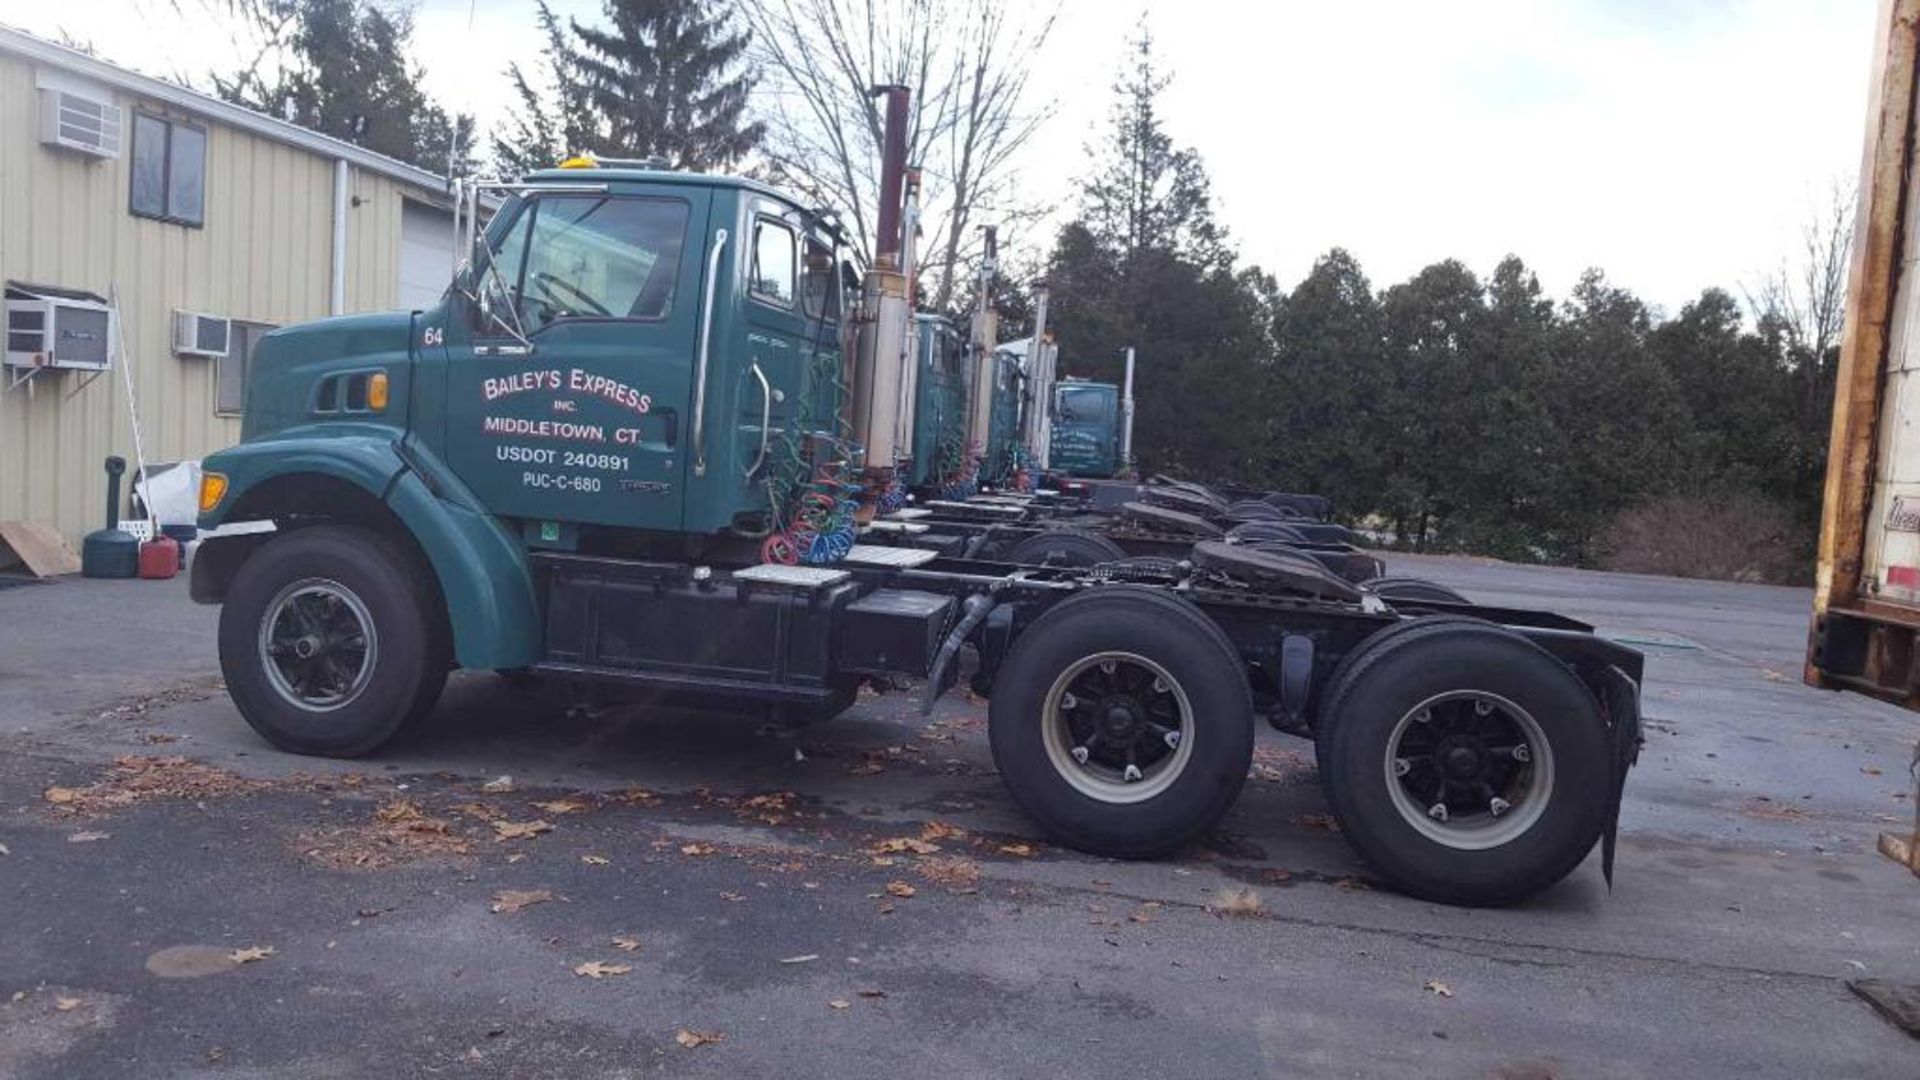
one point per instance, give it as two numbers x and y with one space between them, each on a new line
772 278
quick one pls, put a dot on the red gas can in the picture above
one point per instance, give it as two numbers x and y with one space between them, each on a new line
160 559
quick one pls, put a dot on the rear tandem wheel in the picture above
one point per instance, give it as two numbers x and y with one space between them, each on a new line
1121 721
1465 763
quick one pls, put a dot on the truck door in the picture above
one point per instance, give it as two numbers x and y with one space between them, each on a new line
569 379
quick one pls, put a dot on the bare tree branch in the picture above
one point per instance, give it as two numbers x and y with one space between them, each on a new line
967 65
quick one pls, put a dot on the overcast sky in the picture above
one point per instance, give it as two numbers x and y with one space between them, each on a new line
1674 143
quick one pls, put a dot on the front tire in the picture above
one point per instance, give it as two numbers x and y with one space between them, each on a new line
1466 764
1121 721
330 641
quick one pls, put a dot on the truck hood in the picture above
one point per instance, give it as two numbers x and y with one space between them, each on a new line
291 364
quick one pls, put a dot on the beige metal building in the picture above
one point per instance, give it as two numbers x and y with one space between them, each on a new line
204 224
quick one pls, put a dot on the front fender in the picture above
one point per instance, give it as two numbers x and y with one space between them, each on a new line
364 455
481 567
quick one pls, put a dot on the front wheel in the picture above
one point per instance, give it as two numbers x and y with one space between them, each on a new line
330 643
1121 721
1466 764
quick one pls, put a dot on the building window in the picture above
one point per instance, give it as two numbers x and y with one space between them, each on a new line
772 277
169 170
236 368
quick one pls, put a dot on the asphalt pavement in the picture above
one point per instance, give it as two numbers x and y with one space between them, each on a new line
535 886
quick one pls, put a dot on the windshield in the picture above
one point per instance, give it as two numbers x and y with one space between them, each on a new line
589 256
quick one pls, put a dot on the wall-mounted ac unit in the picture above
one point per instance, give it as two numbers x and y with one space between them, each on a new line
199 334
58 328
79 122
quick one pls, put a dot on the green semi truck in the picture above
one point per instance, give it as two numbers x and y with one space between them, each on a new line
1085 443
575 463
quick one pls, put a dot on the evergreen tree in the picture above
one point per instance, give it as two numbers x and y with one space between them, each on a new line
1145 194
663 79
342 70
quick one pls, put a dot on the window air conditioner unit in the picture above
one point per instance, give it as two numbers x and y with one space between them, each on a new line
58 328
198 334
78 122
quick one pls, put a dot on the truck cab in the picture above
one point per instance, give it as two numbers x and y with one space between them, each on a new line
1086 429
622 370
941 457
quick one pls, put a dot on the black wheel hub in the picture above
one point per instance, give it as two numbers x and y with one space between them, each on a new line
1120 718
318 645
1461 758
1121 721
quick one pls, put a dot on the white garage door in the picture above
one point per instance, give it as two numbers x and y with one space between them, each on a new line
426 254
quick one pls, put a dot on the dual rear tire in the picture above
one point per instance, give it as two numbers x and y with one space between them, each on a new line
1463 762
1122 722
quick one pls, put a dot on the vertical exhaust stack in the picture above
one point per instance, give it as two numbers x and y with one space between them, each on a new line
1126 417
910 341
985 330
1036 425
878 373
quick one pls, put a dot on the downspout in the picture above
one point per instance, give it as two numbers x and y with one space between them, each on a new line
337 292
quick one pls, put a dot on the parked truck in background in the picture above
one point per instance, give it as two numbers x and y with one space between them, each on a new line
1867 579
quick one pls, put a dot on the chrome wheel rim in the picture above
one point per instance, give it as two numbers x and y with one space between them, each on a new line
1469 769
318 645
1118 727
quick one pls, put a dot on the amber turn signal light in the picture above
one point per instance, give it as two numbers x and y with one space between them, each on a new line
377 391
213 488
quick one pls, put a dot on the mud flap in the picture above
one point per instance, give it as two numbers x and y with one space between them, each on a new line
1621 696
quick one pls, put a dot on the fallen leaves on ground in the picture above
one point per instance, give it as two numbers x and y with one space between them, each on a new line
689 1038
732 897
769 809
66 1004
88 837
520 830
940 830
903 843
1323 822
400 830
250 954
1236 901
840 1003
900 889
696 849
499 785
598 969
563 806
1021 851
639 797
510 900
136 778
952 871
1145 912
627 944
595 860
1438 988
